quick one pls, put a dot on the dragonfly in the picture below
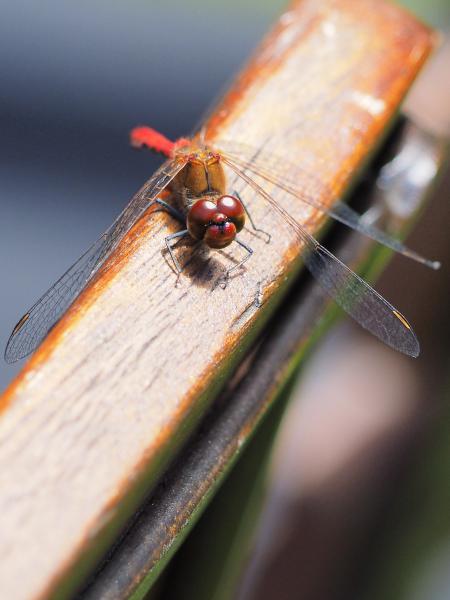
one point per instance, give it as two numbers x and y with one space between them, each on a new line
194 173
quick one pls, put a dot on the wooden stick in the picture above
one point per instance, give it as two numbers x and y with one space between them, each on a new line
118 385
172 510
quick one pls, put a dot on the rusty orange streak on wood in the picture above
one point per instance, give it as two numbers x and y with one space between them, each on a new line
100 282
109 396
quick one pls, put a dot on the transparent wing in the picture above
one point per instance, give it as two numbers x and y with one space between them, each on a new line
349 291
281 173
37 322
360 301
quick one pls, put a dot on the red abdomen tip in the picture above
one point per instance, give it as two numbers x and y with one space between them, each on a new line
150 138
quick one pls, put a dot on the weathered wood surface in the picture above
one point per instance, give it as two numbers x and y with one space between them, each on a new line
172 510
111 394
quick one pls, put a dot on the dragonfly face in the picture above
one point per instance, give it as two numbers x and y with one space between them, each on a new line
216 221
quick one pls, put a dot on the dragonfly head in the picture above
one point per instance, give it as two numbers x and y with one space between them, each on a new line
216 222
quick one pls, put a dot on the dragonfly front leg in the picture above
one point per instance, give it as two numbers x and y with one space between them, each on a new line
252 223
170 209
223 281
179 234
168 239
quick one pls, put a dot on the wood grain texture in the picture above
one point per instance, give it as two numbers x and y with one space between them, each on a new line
120 382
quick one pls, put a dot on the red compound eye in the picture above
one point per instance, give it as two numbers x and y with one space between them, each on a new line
232 207
220 233
209 222
201 215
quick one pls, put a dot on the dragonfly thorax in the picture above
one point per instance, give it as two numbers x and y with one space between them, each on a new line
202 175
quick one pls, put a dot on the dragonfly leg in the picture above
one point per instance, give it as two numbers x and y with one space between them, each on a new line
167 240
223 281
252 223
170 209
